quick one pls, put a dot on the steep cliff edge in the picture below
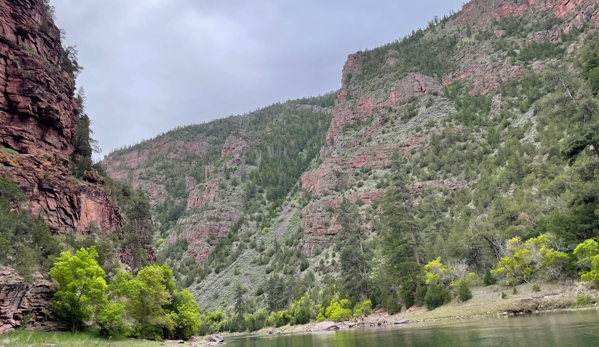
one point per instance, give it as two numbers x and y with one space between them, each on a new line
38 119
38 122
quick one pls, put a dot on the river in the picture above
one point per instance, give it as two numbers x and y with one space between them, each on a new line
577 329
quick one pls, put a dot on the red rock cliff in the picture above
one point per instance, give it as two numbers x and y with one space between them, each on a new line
38 115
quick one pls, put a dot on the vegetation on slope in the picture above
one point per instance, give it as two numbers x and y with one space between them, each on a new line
507 185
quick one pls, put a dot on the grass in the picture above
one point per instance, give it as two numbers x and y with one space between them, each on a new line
487 300
9 151
23 338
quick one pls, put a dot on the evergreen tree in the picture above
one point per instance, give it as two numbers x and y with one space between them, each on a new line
354 250
277 293
400 241
240 291
139 229
83 143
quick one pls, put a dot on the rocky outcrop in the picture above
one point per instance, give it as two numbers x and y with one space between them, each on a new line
207 194
38 116
349 112
481 12
238 143
19 299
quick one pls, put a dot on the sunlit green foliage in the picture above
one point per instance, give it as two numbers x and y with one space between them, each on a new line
81 288
533 256
339 310
588 260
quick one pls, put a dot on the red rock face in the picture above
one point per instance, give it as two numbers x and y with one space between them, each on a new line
348 112
350 66
237 144
207 195
198 236
325 177
484 75
116 165
481 12
17 298
38 115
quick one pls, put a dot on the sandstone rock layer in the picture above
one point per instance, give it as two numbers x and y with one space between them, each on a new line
38 118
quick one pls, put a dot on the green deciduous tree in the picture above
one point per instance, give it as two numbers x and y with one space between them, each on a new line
81 287
148 293
186 315
536 255
588 260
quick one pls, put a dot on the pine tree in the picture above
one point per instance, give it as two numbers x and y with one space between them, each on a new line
354 252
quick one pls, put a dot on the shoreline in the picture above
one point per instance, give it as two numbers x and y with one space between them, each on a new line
486 303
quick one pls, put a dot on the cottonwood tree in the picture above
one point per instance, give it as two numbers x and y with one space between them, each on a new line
81 286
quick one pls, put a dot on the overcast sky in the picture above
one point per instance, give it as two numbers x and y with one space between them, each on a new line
152 65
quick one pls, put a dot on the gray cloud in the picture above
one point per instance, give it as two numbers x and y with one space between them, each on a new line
151 65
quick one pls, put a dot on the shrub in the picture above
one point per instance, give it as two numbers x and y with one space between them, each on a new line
530 257
304 265
584 301
464 293
300 311
536 288
489 279
363 309
278 318
9 151
339 311
436 296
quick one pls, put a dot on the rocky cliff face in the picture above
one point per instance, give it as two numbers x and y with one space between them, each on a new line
20 299
38 117
379 100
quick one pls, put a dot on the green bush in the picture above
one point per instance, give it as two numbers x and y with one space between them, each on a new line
279 318
339 311
363 309
304 265
584 301
436 296
464 293
489 279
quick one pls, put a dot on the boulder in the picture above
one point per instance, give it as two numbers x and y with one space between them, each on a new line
216 338
325 326
401 321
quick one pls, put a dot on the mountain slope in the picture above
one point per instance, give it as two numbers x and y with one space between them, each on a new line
465 116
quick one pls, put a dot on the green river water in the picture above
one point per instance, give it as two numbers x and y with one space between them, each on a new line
580 329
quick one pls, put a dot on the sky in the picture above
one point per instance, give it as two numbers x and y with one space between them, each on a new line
152 65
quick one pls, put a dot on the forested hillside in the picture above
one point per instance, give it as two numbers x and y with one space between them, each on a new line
461 155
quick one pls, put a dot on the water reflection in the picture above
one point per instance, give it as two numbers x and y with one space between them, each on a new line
580 329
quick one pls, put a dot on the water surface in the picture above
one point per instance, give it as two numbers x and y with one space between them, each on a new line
579 329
